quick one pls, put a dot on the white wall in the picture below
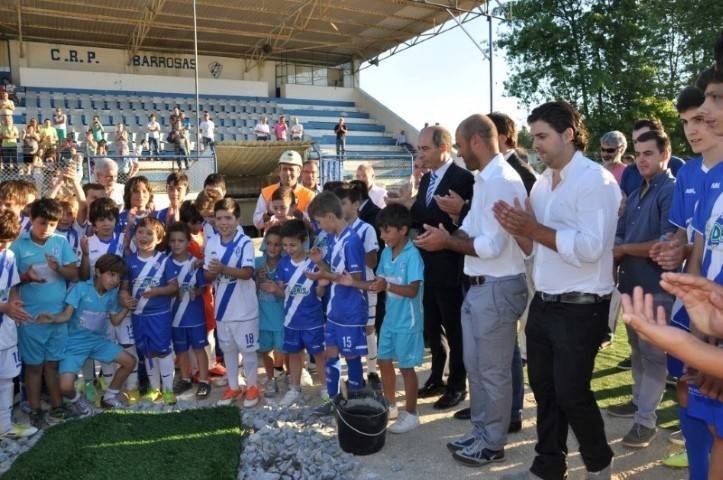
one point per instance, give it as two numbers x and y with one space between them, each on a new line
379 112
41 77
317 92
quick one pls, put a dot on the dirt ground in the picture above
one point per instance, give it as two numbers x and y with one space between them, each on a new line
422 453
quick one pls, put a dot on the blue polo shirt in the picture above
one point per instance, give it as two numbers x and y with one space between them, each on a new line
632 180
48 296
645 219
403 314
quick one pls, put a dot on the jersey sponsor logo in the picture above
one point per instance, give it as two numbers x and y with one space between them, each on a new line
299 290
690 191
716 233
715 185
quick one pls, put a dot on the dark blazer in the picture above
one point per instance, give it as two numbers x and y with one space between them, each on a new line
443 268
524 170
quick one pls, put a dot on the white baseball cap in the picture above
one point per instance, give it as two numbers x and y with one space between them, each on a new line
291 157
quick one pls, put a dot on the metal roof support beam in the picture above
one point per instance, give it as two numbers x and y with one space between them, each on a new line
20 29
139 33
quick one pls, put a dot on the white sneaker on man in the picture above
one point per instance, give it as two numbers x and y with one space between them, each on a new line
405 422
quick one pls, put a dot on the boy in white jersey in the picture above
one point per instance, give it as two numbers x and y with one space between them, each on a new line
350 203
103 217
303 315
11 311
229 263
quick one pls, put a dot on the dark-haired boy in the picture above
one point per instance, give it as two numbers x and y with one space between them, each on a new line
176 189
46 264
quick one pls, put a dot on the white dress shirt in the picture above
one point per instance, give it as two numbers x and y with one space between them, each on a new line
377 195
583 210
207 128
498 254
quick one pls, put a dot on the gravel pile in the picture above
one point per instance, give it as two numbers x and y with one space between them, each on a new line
10 449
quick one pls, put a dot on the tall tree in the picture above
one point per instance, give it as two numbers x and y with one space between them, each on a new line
616 60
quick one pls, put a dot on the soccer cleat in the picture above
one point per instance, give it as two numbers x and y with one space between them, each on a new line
169 398
181 386
406 422
271 388
229 396
111 401
20 430
81 407
306 380
153 395
134 396
90 393
677 460
38 419
324 410
61 414
252 396
292 395
203 390
217 370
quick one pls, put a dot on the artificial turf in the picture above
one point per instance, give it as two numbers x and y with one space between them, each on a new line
612 385
193 444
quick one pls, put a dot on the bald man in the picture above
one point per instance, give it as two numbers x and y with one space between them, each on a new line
377 194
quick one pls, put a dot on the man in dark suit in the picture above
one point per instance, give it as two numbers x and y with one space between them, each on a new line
443 288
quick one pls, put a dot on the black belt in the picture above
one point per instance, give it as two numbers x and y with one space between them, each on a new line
479 280
572 297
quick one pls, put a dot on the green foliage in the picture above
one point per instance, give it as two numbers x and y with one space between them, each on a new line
203 443
616 60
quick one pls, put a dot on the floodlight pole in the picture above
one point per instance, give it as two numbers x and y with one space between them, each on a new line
195 55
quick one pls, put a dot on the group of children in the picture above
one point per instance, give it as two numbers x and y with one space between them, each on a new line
112 293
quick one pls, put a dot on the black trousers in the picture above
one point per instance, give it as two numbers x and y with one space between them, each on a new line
562 342
443 333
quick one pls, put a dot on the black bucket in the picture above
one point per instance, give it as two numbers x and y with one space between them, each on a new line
361 421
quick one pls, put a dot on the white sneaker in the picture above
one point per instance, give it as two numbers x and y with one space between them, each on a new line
404 423
306 380
20 430
292 395
393 412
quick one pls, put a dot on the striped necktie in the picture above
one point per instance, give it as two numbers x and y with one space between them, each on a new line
430 188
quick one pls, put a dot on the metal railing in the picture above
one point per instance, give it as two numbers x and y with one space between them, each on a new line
331 166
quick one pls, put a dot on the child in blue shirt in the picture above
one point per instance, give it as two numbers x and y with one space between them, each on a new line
187 312
88 308
46 264
147 289
271 309
11 311
347 310
303 320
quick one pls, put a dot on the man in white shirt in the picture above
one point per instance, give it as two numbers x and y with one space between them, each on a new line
569 225
106 173
495 270
297 130
262 130
154 134
377 194
207 128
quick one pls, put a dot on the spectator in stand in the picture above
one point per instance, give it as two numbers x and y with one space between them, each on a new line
177 137
402 141
377 194
7 106
106 174
280 129
97 128
60 122
340 130
631 179
297 130
8 87
9 137
262 130
31 146
122 148
207 131
90 145
177 114
612 147
102 149
310 176
154 134
67 148
48 136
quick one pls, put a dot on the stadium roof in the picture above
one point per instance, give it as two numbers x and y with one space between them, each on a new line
319 32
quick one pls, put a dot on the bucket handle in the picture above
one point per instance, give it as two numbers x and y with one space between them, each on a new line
341 416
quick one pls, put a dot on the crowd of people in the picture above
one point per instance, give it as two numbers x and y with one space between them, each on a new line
281 130
107 301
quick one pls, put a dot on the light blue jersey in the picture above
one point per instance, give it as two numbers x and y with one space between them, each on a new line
47 296
403 314
91 309
271 307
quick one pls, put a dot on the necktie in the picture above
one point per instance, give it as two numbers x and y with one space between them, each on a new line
430 188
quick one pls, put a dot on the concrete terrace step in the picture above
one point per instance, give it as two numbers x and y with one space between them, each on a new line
306 101
316 107
330 148
360 140
351 133
304 119
352 126
325 113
